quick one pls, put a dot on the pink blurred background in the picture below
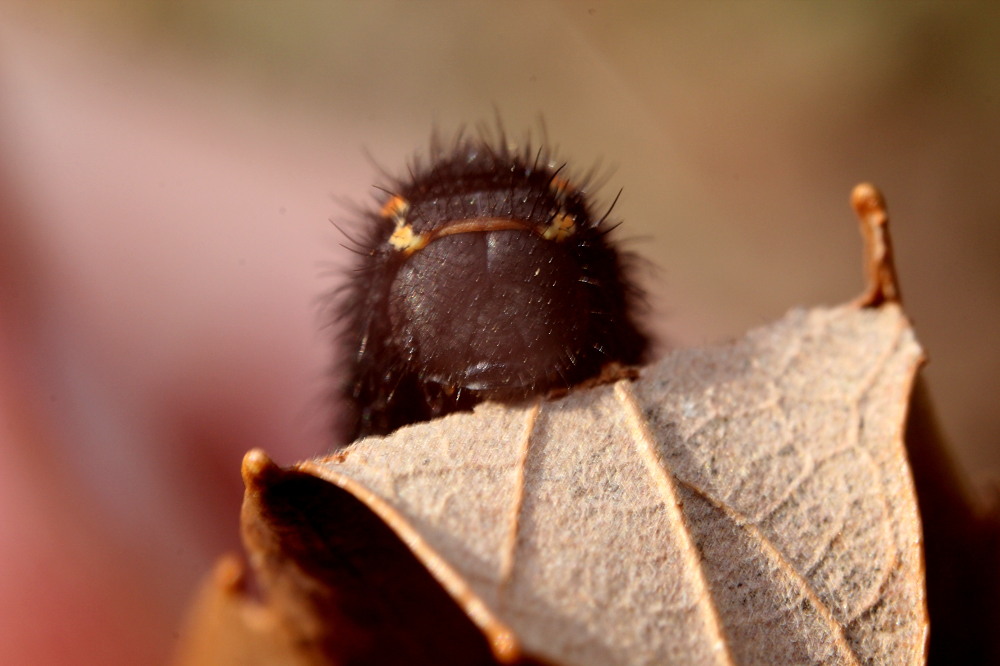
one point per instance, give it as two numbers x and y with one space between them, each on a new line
168 171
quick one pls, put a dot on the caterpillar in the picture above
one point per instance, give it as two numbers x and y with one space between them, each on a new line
481 275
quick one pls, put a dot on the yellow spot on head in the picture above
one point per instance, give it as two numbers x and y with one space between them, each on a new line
396 209
561 187
562 227
404 240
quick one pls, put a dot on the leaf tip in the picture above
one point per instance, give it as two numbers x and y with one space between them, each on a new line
257 468
883 286
867 199
505 647
229 574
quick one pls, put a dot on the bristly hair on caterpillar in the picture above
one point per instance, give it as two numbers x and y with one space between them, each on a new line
482 275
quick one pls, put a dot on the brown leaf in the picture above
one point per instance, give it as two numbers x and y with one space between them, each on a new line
747 503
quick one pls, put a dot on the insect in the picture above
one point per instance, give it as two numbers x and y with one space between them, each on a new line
483 275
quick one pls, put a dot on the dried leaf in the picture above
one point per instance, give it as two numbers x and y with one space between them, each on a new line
748 503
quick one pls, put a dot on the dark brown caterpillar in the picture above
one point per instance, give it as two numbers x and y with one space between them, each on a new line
484 275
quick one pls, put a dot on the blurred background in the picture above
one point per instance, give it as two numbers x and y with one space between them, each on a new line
169 170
